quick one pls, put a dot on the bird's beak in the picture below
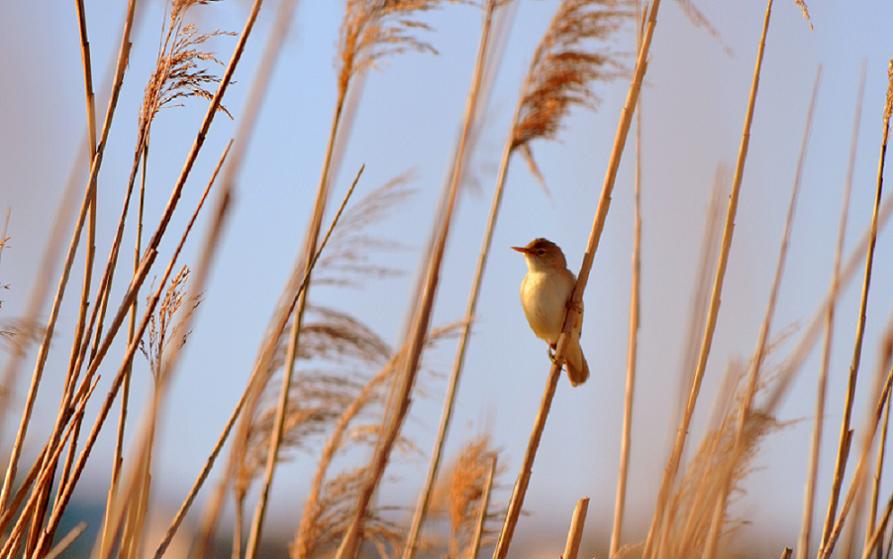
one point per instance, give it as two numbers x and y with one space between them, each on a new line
522 250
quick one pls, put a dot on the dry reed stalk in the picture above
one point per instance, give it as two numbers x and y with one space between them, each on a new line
575 533
118 456
45 477
572 314
91 151
91 236
370 31
257 92
66 541
876 482
482 513
818 424
418 333
841 460
176 76
633 332
847 543
786 553
19 496
756 367
858 475
262 364
424 499
558 78
875 538
43 351
67 489
700 294
675 457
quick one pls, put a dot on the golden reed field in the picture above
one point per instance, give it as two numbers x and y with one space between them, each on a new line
258 297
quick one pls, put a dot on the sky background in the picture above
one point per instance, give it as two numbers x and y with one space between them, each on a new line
693 105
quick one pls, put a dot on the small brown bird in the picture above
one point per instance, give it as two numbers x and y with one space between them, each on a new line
545 294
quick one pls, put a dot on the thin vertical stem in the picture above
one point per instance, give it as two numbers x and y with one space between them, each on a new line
261 365
821 389
756 367
575 532
421 508
633 333
415 340
876 537
43 351
840 463
876 485
858 475
322 194
571 316
675 458
482 514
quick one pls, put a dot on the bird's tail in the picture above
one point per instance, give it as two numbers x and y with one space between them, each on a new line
575 363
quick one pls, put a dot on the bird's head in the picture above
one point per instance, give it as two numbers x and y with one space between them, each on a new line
542 254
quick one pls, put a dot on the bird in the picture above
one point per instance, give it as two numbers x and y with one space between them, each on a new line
546 293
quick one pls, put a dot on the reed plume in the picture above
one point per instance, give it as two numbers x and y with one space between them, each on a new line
368 401
461 492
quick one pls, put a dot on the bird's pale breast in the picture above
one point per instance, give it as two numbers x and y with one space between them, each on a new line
544 297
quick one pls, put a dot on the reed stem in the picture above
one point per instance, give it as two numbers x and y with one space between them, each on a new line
598 224
822 384
842 456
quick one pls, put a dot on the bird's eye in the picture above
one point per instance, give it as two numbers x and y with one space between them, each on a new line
541 252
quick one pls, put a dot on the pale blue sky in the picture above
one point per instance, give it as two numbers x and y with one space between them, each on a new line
693 108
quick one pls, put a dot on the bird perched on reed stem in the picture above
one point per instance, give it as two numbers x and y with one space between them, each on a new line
545 294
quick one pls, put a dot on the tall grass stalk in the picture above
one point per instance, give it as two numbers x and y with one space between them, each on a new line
822 384
876 482
575 532
859 473
262 365
758 359
572 315
365 32
673 462
149 256
482 515
633 332
842 454
244 133
132 504
876 538
43 351
418 333
456 177
67 489
90 250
